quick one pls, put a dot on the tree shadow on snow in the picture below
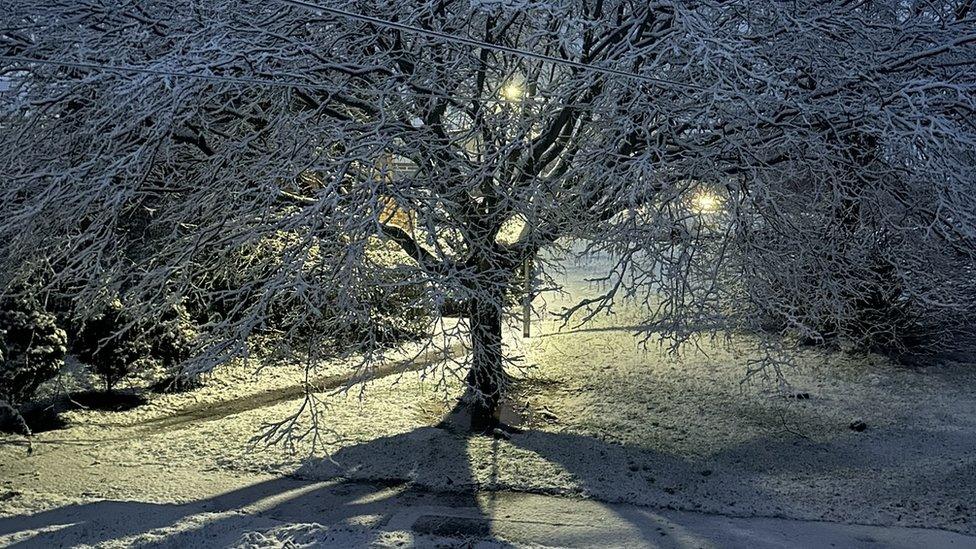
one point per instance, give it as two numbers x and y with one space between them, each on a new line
223 520
438 481
346 499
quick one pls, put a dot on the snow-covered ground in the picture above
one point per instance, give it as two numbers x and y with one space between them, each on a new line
664 451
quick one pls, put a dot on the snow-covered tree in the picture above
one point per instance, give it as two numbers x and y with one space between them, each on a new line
32 349
437 145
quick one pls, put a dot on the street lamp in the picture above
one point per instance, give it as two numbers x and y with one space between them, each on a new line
513 91
706 202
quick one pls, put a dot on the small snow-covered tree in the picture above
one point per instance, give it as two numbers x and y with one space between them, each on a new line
437 145
32 348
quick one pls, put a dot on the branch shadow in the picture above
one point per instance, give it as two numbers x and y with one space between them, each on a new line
429 481
355 496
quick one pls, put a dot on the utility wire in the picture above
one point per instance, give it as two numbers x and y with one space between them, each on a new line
264 81
482 44
367 19
164 72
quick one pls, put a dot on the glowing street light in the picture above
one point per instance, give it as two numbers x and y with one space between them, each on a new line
705 202
513 91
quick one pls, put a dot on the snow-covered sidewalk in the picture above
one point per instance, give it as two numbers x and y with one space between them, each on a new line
281 512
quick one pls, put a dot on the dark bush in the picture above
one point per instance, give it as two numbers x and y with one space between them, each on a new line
398 313
32 348
110 344
115 344
170 337
385 308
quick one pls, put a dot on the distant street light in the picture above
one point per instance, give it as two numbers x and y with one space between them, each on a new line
513 91
706 202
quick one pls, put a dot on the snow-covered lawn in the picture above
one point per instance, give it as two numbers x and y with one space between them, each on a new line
603 419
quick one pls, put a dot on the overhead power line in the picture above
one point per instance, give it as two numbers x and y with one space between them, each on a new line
291 84
162 72
482 44
367 19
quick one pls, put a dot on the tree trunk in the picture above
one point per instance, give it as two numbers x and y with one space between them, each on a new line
486 378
